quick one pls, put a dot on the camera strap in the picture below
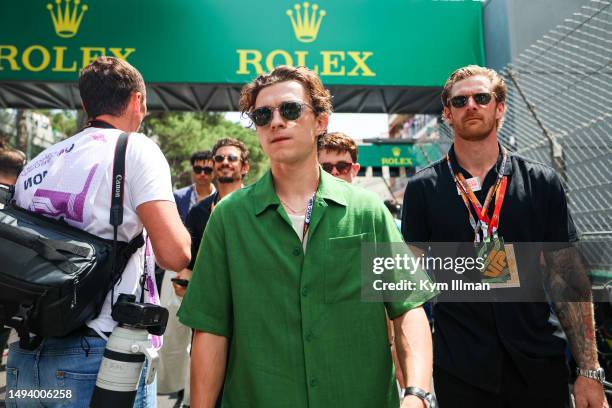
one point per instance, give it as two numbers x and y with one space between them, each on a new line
117 192
116 211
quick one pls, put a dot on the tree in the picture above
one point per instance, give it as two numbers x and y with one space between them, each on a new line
180 134
62 121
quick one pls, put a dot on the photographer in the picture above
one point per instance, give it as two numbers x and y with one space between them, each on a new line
72 180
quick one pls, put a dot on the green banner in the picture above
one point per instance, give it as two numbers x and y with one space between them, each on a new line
399 155
356 42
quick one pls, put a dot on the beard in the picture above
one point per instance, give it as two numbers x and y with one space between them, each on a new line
228 174
475 132
227 179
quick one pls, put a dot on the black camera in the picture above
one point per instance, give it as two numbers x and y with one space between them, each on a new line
127 312
126 350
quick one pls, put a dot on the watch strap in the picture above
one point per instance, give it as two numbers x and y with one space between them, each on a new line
597 374
420 393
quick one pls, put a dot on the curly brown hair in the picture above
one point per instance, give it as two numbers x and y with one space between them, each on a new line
338 142
319 96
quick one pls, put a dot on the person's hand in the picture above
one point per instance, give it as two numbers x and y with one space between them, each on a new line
589 393
412 401
178 289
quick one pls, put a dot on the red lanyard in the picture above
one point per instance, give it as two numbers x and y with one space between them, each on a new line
499 189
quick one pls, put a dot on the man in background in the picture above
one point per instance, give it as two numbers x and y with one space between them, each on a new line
231 165
338 155
202 187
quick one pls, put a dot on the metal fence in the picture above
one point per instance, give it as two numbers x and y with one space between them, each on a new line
559 112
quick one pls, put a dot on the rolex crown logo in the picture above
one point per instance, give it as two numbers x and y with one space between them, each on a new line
67 19
396 151
306 21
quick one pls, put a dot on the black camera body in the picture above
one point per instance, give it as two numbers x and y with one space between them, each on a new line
127 312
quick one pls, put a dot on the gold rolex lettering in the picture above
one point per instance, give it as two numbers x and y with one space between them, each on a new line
9 53
332 63
396 161
270 59
44 54
59 61
359 58
36 58
249 57
301 58
91 53
331 60
122 53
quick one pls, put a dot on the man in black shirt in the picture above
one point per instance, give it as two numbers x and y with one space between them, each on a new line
500 354
230 166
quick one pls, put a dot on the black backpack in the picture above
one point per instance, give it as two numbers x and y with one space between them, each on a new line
55 277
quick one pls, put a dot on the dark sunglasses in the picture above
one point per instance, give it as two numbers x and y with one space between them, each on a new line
219 158
460 101
288 110
342 167
199 169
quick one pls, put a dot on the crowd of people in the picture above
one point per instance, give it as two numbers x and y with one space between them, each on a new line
263 282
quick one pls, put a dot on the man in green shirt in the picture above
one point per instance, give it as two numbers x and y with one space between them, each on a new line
275 293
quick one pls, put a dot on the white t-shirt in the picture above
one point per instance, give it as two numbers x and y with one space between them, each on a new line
297 221
72 179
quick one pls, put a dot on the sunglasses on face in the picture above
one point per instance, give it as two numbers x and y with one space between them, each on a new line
482 98
342 167
199 170
288 110
220 158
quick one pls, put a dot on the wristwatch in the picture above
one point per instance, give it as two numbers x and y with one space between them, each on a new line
598 374
427 397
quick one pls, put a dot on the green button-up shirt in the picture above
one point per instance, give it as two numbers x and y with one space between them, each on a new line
299 334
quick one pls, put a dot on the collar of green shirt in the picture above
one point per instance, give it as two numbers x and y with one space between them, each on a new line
265 196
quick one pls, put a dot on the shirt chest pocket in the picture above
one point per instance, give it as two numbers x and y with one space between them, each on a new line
343 269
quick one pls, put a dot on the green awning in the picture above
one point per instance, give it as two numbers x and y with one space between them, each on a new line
198 53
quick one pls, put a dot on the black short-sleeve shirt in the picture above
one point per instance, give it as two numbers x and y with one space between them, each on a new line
470 339
196 221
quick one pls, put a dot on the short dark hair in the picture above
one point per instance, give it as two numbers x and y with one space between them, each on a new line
107 84
11 162
228 141
204 155
320 97
338 142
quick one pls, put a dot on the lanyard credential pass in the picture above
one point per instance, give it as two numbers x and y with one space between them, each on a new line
485 224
